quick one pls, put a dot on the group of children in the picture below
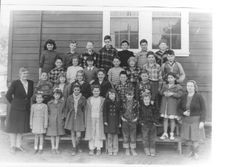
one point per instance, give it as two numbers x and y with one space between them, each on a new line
74 93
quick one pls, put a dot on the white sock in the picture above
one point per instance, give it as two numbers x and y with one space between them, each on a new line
40 147
35 147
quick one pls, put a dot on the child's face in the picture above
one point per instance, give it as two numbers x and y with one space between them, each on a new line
163 46
90 63
62 79
100 75
151 58
144 77
146 100
171 57
76 91
116 62
112 96
123 78
124 46
79 76
50 46
58 63
129 96
75 62
171 79
39 99
132 63
107 43
190 87
144 46
56 96
89 46
96 92
72 46
44 76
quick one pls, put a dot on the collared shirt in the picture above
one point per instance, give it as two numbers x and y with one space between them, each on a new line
54 73
105 58
133 74
141 58
121 90
154 71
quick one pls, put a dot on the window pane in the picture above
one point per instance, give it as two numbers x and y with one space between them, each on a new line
124 28
168 28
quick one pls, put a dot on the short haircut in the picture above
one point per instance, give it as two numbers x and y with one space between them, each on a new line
61 74
143 41
75 57
101 70
170 74
95 87
91 42
146 94
58 91
144 72
22 69
124 41
150 53
73 42
129 91
116 57
132 59
107 37
50 41
170 52
76 86
58 58
123 73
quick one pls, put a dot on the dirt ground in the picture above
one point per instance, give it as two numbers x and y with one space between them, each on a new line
167 154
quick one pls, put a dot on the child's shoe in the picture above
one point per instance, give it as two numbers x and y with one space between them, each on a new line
196 156
110 153
164 136
73 151
13 150
133 152
40 151
171 136
146 150
91 152
98 152
36 151
152 152
127 152
115 153
57 151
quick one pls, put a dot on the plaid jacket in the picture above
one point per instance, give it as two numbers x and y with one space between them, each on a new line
53 74
105 58
121 90
154 72
133 74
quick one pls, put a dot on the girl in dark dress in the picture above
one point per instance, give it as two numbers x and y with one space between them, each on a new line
19 96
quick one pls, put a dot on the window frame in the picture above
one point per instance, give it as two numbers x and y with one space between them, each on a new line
145 32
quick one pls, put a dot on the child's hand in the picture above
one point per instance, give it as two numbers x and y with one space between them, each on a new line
134 120
201 125
142 124
187 113
120 125
91 82
152 102
123 119
105 123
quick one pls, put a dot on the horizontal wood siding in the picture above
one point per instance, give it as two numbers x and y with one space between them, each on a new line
198 66
60 26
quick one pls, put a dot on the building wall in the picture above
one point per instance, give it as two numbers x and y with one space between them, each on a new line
30 29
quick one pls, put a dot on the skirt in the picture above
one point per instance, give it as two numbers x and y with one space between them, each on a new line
190 128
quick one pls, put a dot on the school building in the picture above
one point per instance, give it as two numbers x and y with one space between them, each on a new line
188 32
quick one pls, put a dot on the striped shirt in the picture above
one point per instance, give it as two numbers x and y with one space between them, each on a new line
114 75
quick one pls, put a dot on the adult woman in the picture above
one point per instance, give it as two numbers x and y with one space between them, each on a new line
192 107
19 95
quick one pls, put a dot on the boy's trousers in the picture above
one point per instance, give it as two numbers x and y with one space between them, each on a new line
149 136
129 134
112 143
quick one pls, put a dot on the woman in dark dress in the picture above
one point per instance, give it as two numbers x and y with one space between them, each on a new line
192 108
19 96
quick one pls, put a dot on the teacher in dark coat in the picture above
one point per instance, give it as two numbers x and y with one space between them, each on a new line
19 96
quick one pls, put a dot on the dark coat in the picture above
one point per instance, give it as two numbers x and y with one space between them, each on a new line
197 106
111 115
105 86
18 118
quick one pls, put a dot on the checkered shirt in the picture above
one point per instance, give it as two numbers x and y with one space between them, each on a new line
105 58
154 72
53 74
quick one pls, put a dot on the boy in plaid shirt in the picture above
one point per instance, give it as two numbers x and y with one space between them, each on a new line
123 86
54 73
106 54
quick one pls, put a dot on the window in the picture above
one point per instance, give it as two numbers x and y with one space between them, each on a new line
166 26
124 26
153 25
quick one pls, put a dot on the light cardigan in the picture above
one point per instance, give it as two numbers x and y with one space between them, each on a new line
71 73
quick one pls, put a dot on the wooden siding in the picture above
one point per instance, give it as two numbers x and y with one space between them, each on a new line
30 29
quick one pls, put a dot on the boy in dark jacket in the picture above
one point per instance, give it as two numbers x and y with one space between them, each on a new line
148 118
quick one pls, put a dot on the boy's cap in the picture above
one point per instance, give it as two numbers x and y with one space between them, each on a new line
90 58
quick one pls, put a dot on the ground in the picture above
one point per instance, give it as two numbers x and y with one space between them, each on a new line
166 154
